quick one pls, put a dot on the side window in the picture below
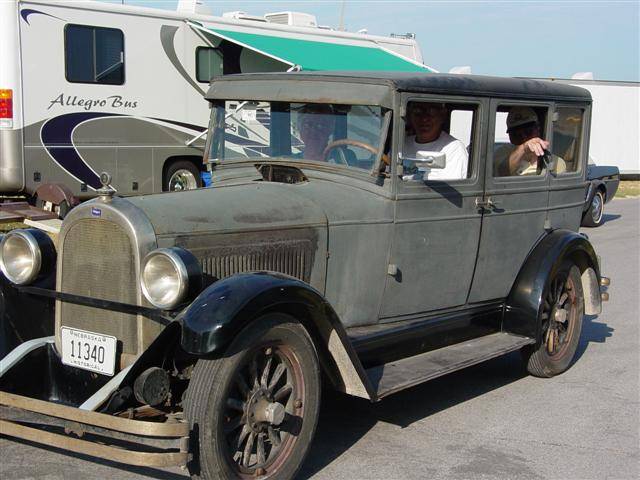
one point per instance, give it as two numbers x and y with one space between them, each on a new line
567 138
94 54
515 126
433 129
209 63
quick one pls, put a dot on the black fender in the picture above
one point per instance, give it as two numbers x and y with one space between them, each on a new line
222 310
524 303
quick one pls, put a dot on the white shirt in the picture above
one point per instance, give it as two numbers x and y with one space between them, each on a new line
457 157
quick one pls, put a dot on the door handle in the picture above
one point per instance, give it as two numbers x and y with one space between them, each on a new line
487 204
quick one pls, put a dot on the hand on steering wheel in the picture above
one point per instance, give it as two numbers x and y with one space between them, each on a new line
343 143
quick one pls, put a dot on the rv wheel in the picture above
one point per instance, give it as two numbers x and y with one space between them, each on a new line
253 411
181 175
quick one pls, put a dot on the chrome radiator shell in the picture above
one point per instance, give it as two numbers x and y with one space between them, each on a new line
100 248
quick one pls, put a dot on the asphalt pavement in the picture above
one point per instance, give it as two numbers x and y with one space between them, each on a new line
491 421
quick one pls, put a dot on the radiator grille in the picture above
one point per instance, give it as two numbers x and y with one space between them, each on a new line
98 263
291 258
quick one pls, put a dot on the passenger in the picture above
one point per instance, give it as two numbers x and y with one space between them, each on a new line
523 128
315 124
427 120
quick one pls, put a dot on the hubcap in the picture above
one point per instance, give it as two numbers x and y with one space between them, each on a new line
182 179
264 411
596 208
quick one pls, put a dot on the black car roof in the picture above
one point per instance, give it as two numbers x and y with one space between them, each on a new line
476 85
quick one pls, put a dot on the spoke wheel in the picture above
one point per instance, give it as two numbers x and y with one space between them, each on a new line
560 323
264 410
558 315
254 410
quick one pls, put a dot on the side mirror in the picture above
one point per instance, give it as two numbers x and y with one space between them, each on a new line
426 158
414 168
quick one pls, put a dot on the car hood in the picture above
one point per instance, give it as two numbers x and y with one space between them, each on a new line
251 206
240 207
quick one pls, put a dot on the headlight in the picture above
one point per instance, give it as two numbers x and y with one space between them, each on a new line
26 255
169 276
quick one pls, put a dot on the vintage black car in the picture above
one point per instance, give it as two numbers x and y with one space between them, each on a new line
603 182
338 240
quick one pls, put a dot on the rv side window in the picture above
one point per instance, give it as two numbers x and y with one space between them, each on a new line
94 55
208 63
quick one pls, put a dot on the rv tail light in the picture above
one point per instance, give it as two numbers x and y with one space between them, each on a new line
6 107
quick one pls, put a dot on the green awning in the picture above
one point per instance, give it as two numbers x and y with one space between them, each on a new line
313 55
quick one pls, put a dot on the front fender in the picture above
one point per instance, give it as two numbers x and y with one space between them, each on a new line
525 301
216 316
219 313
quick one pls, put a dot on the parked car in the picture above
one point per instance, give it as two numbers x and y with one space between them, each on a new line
602 186
193 328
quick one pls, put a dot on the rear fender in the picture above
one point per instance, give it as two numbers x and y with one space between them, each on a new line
524 303
220 312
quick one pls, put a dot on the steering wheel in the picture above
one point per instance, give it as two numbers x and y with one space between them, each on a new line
343 143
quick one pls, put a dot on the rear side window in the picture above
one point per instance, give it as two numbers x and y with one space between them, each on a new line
94 55
515 125
209 63
567 136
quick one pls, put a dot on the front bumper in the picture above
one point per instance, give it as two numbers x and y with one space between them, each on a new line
55 412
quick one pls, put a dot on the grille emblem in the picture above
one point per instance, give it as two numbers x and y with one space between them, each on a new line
96 212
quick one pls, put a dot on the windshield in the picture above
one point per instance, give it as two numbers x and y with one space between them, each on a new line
347 135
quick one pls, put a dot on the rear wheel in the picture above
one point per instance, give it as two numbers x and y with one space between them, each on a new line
181 175
561 322
593 216
254 411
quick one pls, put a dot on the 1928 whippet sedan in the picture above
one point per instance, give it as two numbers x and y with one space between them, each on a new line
337 240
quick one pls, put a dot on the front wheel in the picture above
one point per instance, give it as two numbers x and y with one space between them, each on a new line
561 324
254 411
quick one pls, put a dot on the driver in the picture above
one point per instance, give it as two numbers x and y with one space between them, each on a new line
316 124
427 120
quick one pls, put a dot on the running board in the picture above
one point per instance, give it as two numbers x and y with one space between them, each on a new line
398 375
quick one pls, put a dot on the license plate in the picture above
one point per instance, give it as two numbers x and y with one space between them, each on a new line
88 350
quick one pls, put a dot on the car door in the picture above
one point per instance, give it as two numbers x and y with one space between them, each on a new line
436 225
515 209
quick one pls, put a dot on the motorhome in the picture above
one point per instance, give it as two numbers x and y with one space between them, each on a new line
87 87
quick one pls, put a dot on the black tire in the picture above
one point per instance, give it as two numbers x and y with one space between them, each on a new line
593 216
192 179
222 407
563 299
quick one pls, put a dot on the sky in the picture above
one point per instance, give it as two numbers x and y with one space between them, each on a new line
541 38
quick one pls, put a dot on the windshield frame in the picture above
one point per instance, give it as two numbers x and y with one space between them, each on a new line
219 115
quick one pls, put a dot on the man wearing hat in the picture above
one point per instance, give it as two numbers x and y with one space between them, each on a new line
523 128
